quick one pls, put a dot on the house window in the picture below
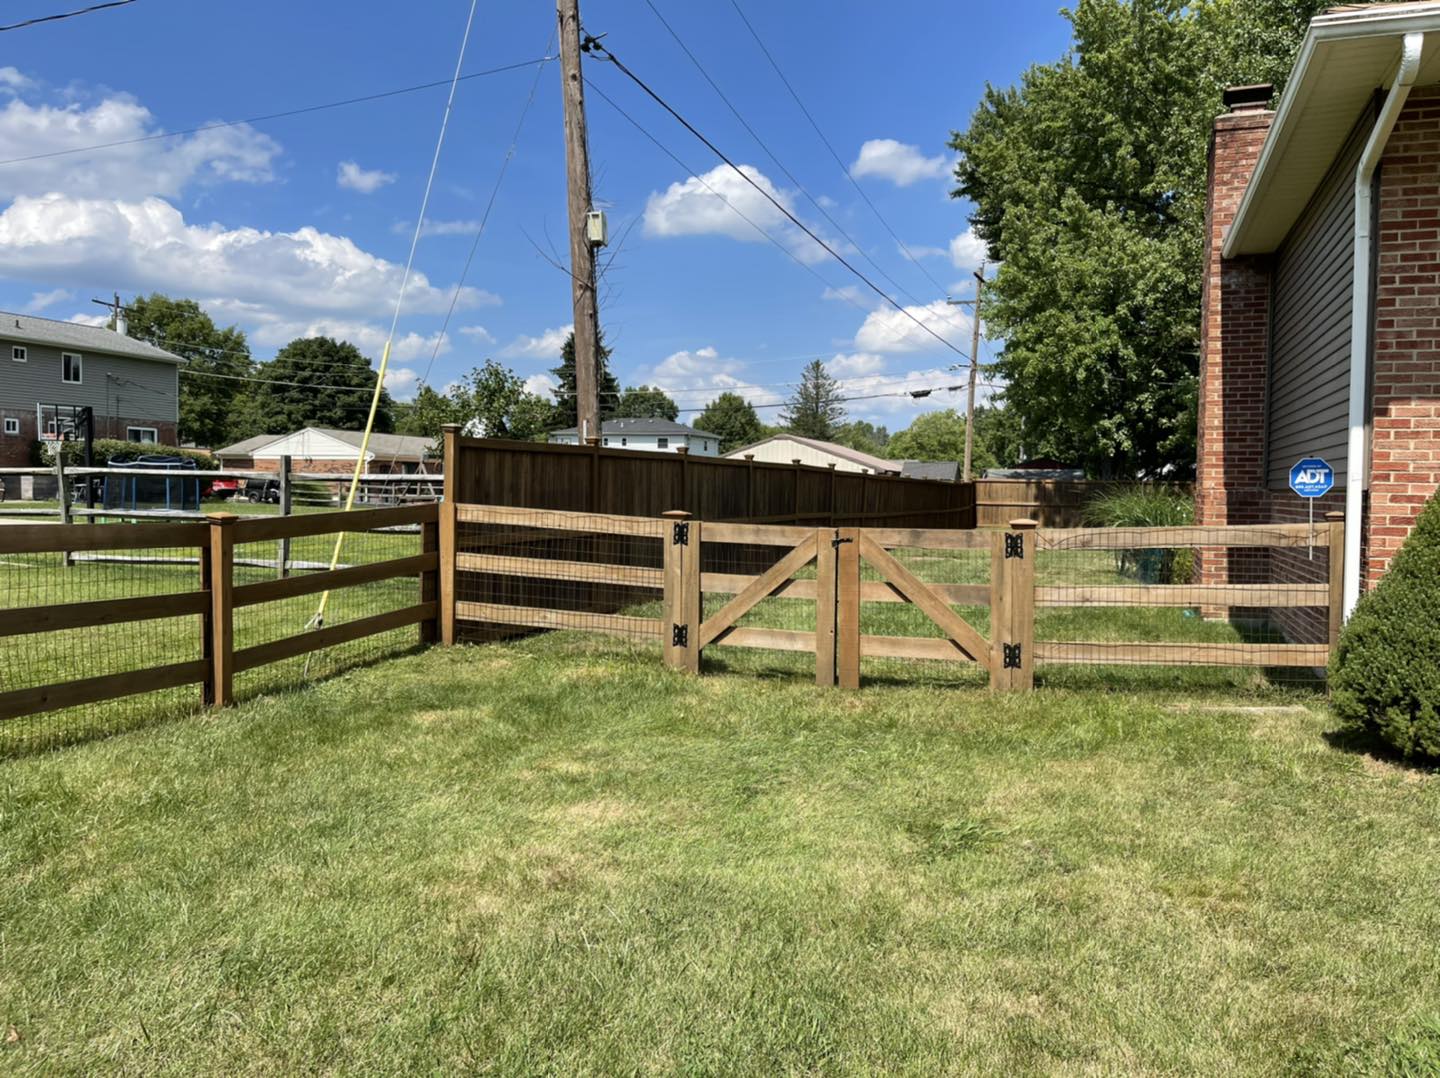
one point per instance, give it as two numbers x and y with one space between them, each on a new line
662 443
606 441
624 441
144 435
12 426
19 353
70 368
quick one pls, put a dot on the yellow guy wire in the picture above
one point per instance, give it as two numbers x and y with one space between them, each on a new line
319 619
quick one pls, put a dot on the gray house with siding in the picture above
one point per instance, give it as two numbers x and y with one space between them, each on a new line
133 387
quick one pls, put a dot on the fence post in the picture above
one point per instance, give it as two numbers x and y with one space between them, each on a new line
62 491
795 491
749 484
1337 577
832 493
222 617
284 512
449 540
1012 607
592 498
847 607
683 452
680 624
430 580
826 578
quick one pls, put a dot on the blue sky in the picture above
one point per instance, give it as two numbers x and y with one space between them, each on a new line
301 225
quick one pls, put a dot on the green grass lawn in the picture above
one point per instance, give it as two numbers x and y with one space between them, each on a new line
554 856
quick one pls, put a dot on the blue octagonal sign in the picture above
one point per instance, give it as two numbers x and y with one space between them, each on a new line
1312 478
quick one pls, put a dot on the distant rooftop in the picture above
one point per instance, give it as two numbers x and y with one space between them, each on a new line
878 465
82 338
637 427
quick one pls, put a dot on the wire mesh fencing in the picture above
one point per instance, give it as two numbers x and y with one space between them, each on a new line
1248 609
518 572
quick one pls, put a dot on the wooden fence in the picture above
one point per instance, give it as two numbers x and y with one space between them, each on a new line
215 598
592 479
1052 503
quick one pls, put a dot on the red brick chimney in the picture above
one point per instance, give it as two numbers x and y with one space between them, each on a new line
1234 327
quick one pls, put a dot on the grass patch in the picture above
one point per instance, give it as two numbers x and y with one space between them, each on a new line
555 856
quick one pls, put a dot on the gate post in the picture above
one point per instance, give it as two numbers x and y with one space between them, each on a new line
448 529
221 649
826 577
1012 608
847 603
680 623
1337 577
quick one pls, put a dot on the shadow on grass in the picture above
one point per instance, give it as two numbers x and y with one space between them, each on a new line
1366 743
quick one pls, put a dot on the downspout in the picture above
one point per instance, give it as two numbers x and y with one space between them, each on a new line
1355 459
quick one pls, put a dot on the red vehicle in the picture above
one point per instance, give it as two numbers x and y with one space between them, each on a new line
224 488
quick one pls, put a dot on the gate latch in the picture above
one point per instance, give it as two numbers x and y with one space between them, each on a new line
680 635
1011 656
1015 546
681 536
836 542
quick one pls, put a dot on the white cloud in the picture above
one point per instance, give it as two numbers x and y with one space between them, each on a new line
402 382
161 167
268 330
542 385
888 331
846 294
40 300
478 334
83 319
63 240
700 375
967 250
899 162
545 346
11 78
697 207
892 400
366 181
855 364
437 228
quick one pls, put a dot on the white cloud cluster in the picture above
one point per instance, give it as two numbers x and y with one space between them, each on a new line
704 374
899 162
855 364
546 345
888 331
157 167
433 227
967 250
367 181
698 207
41 300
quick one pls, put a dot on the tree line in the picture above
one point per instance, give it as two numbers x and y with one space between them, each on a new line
226 396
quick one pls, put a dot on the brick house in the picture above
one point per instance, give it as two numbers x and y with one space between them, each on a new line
132 387
1320 327
317 449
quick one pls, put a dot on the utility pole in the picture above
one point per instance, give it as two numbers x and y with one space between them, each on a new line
582 253
974 368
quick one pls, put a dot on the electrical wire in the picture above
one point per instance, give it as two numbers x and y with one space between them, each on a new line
595 46
271 115
843 168
66 15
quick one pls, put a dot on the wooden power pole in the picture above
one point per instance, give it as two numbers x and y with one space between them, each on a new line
582 253
967 473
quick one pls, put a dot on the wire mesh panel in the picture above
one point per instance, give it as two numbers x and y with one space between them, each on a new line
1196 609
143 610
520 571
778 632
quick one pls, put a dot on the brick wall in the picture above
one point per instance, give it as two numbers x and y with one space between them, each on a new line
15 449
1405 446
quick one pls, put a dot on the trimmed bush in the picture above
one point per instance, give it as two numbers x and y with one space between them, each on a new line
1147 506
1385 674
106 448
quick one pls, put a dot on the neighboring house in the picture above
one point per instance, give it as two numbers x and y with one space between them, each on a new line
132 387
1321 310
787 448
652 435
1038 468
317 449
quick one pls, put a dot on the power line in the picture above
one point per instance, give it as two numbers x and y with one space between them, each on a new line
843 168
596 46
65 15
272 115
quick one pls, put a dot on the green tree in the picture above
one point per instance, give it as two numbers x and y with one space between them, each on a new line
605 384
492 402
731 418
1000 439
864 436
646 402
814 410
212 380
1088 185
426 414
317 382
940 436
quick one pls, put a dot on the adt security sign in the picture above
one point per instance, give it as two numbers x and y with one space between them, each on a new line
1312 478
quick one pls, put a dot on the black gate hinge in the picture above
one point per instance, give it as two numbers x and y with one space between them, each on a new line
680 636
1011 656
1015 546
681 536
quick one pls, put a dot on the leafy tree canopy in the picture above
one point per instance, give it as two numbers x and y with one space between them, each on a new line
862 435
646 402
316 382
732 419
565 414
492 402
814 410
218 361
426 414
1088 186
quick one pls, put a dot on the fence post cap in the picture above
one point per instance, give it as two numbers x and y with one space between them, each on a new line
676 514
592 441
222 518
450 426
1024 524
683 450
795 460
749 456
831 465
1334 514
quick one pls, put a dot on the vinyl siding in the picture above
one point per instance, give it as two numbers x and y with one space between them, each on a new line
1310 326
134 388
